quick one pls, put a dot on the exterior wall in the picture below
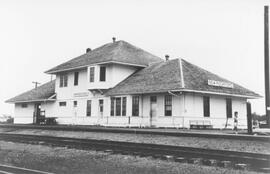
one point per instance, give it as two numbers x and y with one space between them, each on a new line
115 73
23 115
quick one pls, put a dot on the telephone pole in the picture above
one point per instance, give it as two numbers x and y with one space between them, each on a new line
36 84
266 65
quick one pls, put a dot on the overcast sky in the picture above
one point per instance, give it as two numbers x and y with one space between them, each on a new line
222 36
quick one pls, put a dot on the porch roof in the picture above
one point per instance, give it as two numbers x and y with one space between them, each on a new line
41 93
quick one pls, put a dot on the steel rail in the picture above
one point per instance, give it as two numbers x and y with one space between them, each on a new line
138 131
254 161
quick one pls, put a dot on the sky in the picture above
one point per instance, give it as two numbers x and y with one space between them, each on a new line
225 37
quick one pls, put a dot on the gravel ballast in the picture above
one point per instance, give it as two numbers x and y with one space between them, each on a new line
207 143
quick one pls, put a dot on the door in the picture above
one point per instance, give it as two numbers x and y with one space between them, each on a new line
37 116
153 110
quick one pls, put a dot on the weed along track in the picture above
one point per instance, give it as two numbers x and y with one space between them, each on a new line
229 159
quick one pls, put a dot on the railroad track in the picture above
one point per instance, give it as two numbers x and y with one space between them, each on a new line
221 158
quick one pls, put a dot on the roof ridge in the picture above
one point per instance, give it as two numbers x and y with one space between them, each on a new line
181 73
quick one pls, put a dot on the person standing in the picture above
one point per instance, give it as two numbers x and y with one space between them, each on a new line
235 122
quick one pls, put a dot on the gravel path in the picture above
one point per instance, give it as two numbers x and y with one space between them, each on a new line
207 143
72 161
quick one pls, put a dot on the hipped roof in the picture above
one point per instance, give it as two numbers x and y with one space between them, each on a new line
177 75
41 93
118 52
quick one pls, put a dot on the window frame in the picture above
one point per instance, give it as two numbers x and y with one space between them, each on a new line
24 105
63 80
92 74
118 103
167 105
124 106
63 104
101 105
88 108
206 106
112 106
135 106
229 108
76 78
102 74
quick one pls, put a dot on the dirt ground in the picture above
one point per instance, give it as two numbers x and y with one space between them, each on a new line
72 161
207 143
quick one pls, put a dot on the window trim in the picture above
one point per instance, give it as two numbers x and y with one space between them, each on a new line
135 106
24 105
102 74
76 78
63 80
91 74
168 104
88 108
124 106
62 104
206 106
229 108
101 105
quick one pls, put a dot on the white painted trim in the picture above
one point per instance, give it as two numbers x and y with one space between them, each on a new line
217 93
182 74
52 97
29 101
85 66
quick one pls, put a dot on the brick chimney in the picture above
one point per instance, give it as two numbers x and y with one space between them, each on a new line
114 39
88 50
167 57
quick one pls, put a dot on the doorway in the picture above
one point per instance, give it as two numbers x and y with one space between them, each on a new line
37 116
153 110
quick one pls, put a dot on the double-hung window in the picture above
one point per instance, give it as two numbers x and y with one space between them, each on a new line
206 106
135 105
229 107
168 105
118 106
76 78
63 80
102 74
88 108
92 74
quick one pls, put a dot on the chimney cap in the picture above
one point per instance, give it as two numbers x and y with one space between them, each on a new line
114 39
167 57
88 50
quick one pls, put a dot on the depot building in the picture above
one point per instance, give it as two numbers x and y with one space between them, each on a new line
121 85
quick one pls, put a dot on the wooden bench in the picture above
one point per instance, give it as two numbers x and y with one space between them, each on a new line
200 124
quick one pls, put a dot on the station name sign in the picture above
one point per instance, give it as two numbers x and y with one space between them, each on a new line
81 94
220 84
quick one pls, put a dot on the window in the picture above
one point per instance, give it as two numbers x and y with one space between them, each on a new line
92 74
62 103
229 107
112 106
24 105
168 105
63 80
135 106
76 78
75 104
118 106
206 106
124 106
102 74
100 105
88 108
153 99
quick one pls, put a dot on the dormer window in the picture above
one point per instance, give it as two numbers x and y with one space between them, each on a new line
92 74
102 74
63 80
